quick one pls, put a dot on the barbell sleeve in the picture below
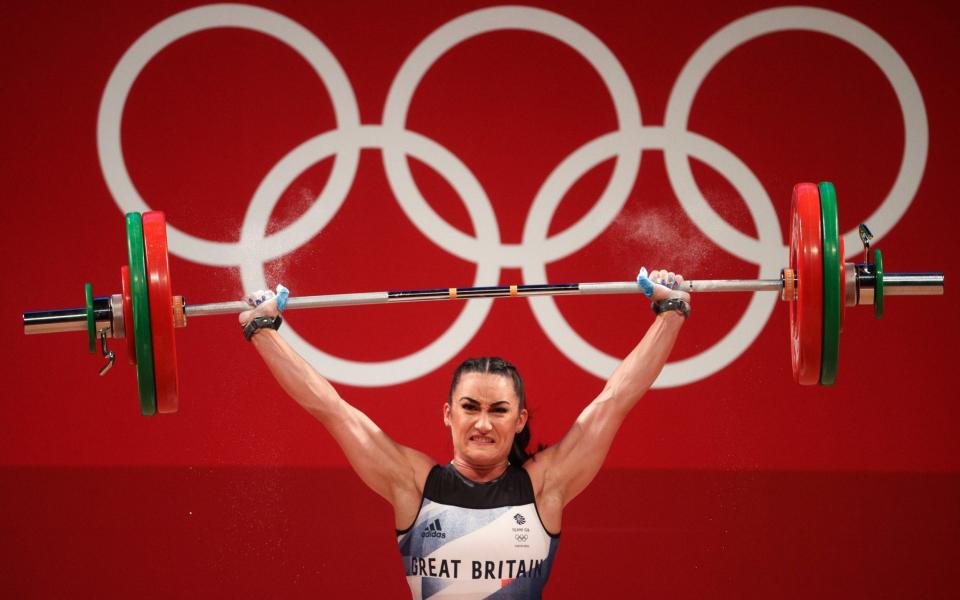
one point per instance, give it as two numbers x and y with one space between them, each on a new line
913 284
68 319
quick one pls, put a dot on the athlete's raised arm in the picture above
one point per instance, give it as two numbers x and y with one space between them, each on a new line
562 471
393 471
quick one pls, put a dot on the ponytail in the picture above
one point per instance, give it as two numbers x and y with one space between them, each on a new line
518 452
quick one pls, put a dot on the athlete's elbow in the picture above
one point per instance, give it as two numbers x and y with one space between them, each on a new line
319 402
606 410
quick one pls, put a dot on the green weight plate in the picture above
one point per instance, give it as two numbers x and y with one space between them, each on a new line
832 286
91 323
146 384
878 288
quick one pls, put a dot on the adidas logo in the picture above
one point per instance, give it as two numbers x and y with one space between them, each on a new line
434 530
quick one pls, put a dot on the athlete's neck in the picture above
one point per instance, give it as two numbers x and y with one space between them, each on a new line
479 473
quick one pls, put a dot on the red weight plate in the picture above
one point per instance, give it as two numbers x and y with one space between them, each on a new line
806 313
161 311
128 314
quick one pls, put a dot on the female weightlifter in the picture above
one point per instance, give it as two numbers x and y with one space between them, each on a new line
488 523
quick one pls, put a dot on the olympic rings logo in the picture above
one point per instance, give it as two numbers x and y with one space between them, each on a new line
536 249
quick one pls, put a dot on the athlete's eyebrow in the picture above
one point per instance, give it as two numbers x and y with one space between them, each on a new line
473 401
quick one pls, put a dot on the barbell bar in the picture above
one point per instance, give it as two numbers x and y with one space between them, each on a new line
817 284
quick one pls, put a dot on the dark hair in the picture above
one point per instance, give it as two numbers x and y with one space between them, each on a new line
495 365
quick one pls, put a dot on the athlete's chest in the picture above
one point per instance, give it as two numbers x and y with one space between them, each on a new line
489 544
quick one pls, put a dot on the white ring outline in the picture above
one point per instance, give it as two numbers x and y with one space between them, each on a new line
747 328
171 29
254 246
818 20
470 319
513 18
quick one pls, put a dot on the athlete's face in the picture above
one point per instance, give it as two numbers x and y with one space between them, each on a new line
484 416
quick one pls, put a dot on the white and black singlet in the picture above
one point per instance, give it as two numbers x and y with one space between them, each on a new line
477 540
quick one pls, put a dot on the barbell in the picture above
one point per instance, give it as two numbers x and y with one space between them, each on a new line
817 284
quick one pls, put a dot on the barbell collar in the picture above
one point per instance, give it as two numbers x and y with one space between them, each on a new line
117 327
851 291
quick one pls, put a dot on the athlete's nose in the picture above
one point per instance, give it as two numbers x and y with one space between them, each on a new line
483 424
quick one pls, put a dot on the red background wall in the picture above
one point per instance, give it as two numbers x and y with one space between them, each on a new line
738 483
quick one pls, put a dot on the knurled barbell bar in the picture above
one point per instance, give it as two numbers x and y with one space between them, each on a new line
817 284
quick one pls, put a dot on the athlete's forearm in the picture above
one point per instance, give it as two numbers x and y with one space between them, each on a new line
301 381
634 376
